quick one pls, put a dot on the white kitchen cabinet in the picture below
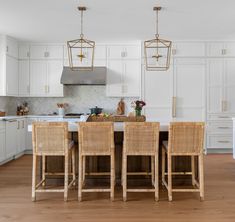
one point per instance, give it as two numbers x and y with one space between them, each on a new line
157 93
221 49
11 47
124 52
189 49
8 67
29 145
123 78
46 52
2 141
11 138
45 78
38 78
100 52
24 78
189 90
11 76
24 51
54 72
21 135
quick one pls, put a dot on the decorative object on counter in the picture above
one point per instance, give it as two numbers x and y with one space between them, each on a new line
2 113
96 110
22 109
113 118
138 105
61 108
81 51
157 51
121 107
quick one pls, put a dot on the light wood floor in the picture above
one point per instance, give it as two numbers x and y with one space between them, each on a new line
16 205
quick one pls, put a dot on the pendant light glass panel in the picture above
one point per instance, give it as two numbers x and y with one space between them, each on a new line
81 51
157 51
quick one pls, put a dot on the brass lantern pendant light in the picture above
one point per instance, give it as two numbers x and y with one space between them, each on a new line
81 51
157 51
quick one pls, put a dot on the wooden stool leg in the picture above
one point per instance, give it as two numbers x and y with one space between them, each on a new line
66 171
193 170
80 178
152 159
112 179
43 170
169 177
156 176
124 185
163 166
84 169
34 175
73 166
201 176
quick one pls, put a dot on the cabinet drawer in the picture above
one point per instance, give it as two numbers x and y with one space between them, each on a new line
217 141
220 117
220 127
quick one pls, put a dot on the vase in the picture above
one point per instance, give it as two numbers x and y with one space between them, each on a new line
138 112
61 111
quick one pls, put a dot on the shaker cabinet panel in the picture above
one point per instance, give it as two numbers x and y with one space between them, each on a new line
54 52
38 52
24 83
11 76
189 49
38 78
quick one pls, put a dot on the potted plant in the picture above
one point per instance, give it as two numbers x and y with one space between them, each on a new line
138 105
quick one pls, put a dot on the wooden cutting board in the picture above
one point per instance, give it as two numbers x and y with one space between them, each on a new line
117 119
2 113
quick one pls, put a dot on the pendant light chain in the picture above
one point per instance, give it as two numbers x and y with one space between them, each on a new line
157 34
81 35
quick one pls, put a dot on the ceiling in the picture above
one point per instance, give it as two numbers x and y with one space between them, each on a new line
117 20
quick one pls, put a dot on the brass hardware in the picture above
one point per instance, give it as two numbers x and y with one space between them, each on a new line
173 106
223 117
223 141
28 54
78 47
23 124
18 125
160 60
223 127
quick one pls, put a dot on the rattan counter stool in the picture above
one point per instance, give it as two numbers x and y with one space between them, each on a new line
95 139
51 139
185 139
141 139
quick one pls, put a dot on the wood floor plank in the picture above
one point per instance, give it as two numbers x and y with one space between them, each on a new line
219 204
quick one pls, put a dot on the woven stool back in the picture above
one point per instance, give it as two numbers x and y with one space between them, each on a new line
186 138
141 138
50 138
96 138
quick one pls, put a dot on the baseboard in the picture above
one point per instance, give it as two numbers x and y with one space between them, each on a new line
28 152
219 151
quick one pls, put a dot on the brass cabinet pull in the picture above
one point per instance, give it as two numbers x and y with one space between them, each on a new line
223 127
173 106
223 117
223 141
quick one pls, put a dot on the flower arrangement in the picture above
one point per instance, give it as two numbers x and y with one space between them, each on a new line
138 105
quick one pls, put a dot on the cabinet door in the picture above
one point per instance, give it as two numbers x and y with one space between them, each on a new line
38 78
22 134
157 93
54 72
29 144
2 145
115 52
131 78
114 78
38 52
24 51
189 49
55 52
189 89
11 138
132 52
100 52
215 70
24 78
12 47
229 86
215 49
12 76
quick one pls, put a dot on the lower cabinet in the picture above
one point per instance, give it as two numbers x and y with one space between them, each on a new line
2 141
15 138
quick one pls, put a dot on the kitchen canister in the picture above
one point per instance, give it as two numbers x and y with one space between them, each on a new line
61 111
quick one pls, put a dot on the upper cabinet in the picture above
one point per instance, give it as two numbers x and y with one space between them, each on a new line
123 71
46 52
8 66
221 49
123 52
189 49
24 51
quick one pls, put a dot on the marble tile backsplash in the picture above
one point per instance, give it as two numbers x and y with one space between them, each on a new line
4 102
79 98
